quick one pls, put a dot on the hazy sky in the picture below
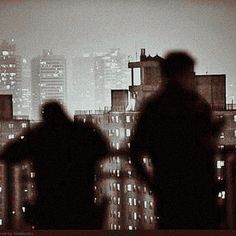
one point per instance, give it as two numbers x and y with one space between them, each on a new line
207 29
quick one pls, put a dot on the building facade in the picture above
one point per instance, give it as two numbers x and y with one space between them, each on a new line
10 74
11 128
111 72
48 80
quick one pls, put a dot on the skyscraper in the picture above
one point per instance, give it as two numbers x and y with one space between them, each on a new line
48 80
111 72
10 74
11 128
82 87
26 88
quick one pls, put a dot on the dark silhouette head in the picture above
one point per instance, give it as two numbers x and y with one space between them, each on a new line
178 67
53 113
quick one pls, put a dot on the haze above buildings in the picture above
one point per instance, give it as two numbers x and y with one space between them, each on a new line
72 28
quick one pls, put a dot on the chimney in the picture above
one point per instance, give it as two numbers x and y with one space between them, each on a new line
142 55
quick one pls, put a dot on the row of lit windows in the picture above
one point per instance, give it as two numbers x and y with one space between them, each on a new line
129 188
8 65
6 73
11 125
117 119
114 159
220 164
222 134
135 202
116 132
117 145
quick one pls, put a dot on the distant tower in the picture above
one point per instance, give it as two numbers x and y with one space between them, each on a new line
48 80
111 72
26 88
83 84
10 74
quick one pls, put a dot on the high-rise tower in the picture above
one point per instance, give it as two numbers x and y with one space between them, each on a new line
10 74
48 80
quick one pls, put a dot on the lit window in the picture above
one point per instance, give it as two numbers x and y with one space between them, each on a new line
234 133
22 137
221 195
135 216
118 173
128 119
222 135
151 219
144 189
220 164
130 201
128 144
118 214
118 160
150 205
0 189
32 174
129 173
5 53
234 118
118 200
117 119
128 132
113 119
23 125
145 204
144 160
117 132
11 126
129 187
117 146
130 227
0 221
118 187
135 201
11 136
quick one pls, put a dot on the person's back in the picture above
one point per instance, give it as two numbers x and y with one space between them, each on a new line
175 129
64 155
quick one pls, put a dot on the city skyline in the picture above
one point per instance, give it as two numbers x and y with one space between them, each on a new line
204 28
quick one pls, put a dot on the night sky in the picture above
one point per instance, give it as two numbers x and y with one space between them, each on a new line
207 29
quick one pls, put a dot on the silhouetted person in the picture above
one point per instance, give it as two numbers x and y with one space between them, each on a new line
64 155
176 129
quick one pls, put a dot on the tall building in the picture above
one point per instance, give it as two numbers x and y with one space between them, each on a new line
26 88
131 201
10 74
111 72
83 83
48 80
11 128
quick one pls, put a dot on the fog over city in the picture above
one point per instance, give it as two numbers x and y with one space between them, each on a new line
74 27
